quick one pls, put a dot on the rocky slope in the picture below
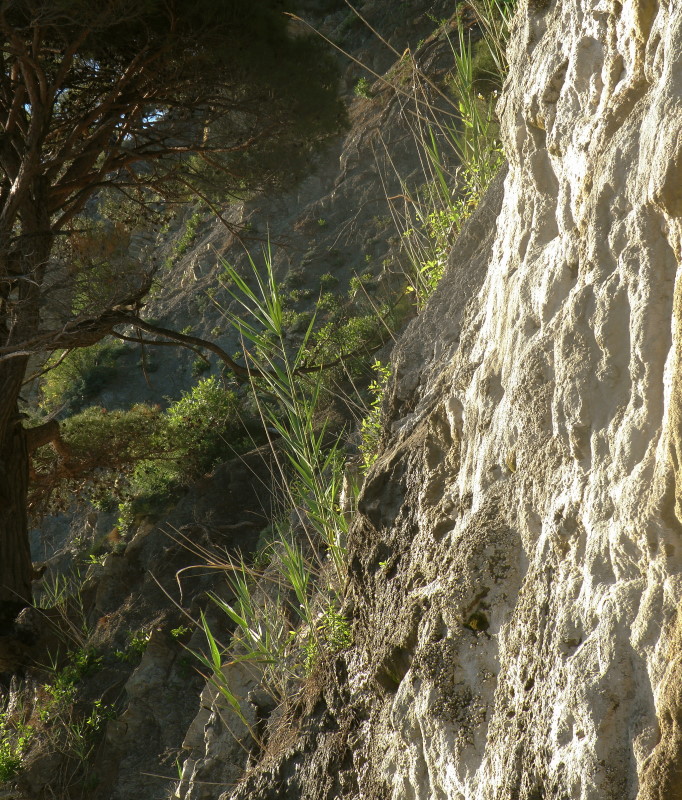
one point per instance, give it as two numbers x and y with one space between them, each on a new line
515 565
514 568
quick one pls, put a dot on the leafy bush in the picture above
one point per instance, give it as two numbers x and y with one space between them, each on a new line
328 281
139 457
115 438
199 366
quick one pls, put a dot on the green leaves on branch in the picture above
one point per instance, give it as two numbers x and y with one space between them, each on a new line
139 457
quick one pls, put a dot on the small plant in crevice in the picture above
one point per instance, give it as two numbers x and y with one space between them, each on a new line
363 89
60 692
185 241
81 731
15 739
136 645
371 424
330 633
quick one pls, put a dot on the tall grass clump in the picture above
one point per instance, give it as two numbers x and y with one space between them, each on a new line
285 613
458 140
288 393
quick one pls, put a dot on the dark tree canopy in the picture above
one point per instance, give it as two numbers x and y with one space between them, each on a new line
146 99
90 90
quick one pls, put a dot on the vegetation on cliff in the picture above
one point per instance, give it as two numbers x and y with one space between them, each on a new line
285 611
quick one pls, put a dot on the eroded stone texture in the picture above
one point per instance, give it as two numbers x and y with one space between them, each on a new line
515 569
545 661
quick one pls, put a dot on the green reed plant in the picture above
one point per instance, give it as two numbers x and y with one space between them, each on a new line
458 142
293 394
286 615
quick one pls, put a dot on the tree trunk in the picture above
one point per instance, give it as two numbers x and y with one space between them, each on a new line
20 304
15 555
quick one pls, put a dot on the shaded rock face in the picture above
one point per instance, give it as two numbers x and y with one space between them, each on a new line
515 566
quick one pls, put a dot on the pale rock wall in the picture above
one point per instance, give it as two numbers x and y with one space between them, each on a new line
537 462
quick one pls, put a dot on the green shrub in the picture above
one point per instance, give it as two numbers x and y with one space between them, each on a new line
357 282
363 88
355 335
103 449
140 457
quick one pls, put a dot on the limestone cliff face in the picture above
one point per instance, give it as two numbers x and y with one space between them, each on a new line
516 563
